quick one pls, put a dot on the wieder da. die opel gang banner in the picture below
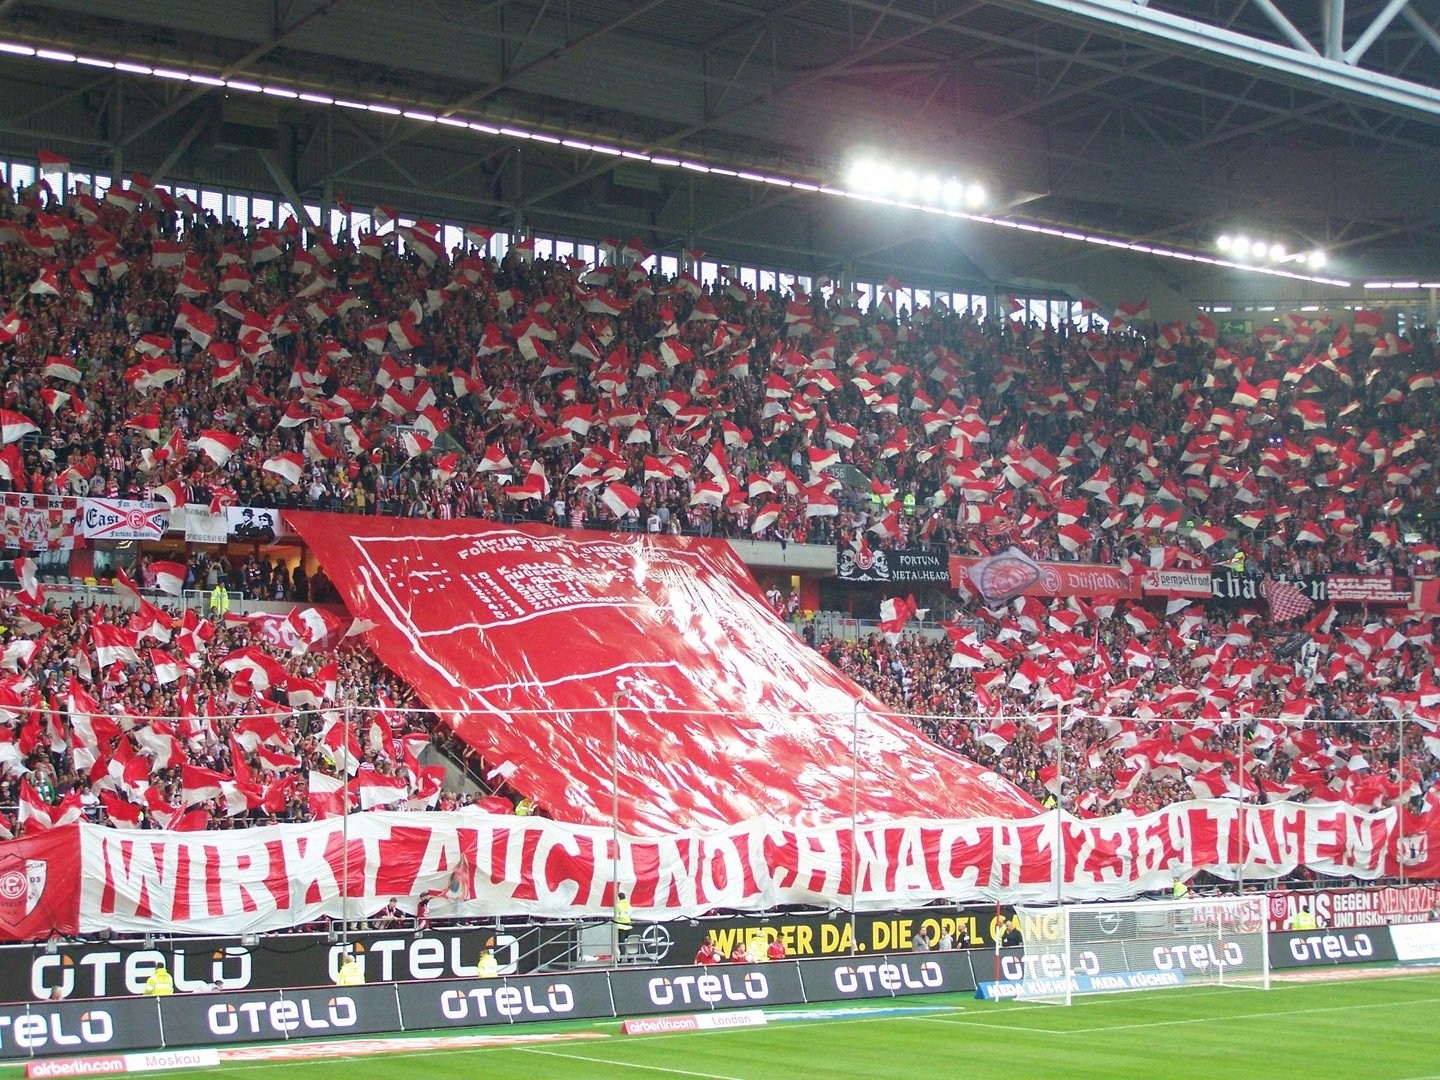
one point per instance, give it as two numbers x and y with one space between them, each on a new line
475 864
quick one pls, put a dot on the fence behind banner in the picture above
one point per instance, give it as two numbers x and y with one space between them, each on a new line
1231 844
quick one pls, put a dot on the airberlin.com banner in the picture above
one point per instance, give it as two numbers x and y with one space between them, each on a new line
474 864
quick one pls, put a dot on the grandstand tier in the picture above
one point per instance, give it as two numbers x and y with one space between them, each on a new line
1265 494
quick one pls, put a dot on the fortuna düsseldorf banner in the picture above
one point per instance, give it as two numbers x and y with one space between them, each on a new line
531 639
477 864
1060 579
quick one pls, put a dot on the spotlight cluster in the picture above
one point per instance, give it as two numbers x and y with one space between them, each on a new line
1244 248
906 185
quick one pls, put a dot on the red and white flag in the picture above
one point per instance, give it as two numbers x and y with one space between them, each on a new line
217 445
123 814
377 790
172 494
766 516
312 626
895 612
169 577
289 467
167 668
255 667
1286 600
114 645
14 427
36 813
200 785
200 326
620 499
57 367
326 795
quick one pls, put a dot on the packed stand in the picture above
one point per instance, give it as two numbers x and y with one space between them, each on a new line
153 352
1153 709
137 716
159 353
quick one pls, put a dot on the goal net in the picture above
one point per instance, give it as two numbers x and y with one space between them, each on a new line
1110 948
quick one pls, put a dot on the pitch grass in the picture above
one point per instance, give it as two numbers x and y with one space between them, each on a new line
1377 1029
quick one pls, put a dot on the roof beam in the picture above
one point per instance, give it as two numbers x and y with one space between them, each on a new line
1191 37
231 70
490 89
835 68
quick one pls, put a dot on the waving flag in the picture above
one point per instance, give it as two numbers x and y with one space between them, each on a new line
14 426
1286 600
620 499
895 613
169 577
36 813
1003 576
217 445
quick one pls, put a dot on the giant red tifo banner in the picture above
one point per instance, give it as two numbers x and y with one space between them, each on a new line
1058 578
475 864
527 638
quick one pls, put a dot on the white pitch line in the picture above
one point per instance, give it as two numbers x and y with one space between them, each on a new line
622 1064
999 1025
1250 1016
981 1023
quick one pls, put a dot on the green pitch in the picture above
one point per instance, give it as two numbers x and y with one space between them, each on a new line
1379 1029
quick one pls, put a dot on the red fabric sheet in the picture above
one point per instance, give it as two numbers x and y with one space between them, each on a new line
530 633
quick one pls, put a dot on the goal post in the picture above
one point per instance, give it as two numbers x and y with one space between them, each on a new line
1104 948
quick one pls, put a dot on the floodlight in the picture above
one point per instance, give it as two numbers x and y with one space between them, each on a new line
1277 252
1316 259
975 194
1259 248
1223 242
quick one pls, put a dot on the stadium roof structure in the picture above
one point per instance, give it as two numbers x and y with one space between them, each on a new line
1310 124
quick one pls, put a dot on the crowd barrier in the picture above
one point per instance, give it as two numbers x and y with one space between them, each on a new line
111 1025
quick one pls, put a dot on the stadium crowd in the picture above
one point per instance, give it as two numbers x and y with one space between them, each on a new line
151 351
1194 706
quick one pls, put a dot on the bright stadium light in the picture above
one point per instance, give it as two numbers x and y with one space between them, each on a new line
871 176
906 183
1316 260
1277 252
953 193
930 188
1259 248
1240 247
1223 242
975 194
